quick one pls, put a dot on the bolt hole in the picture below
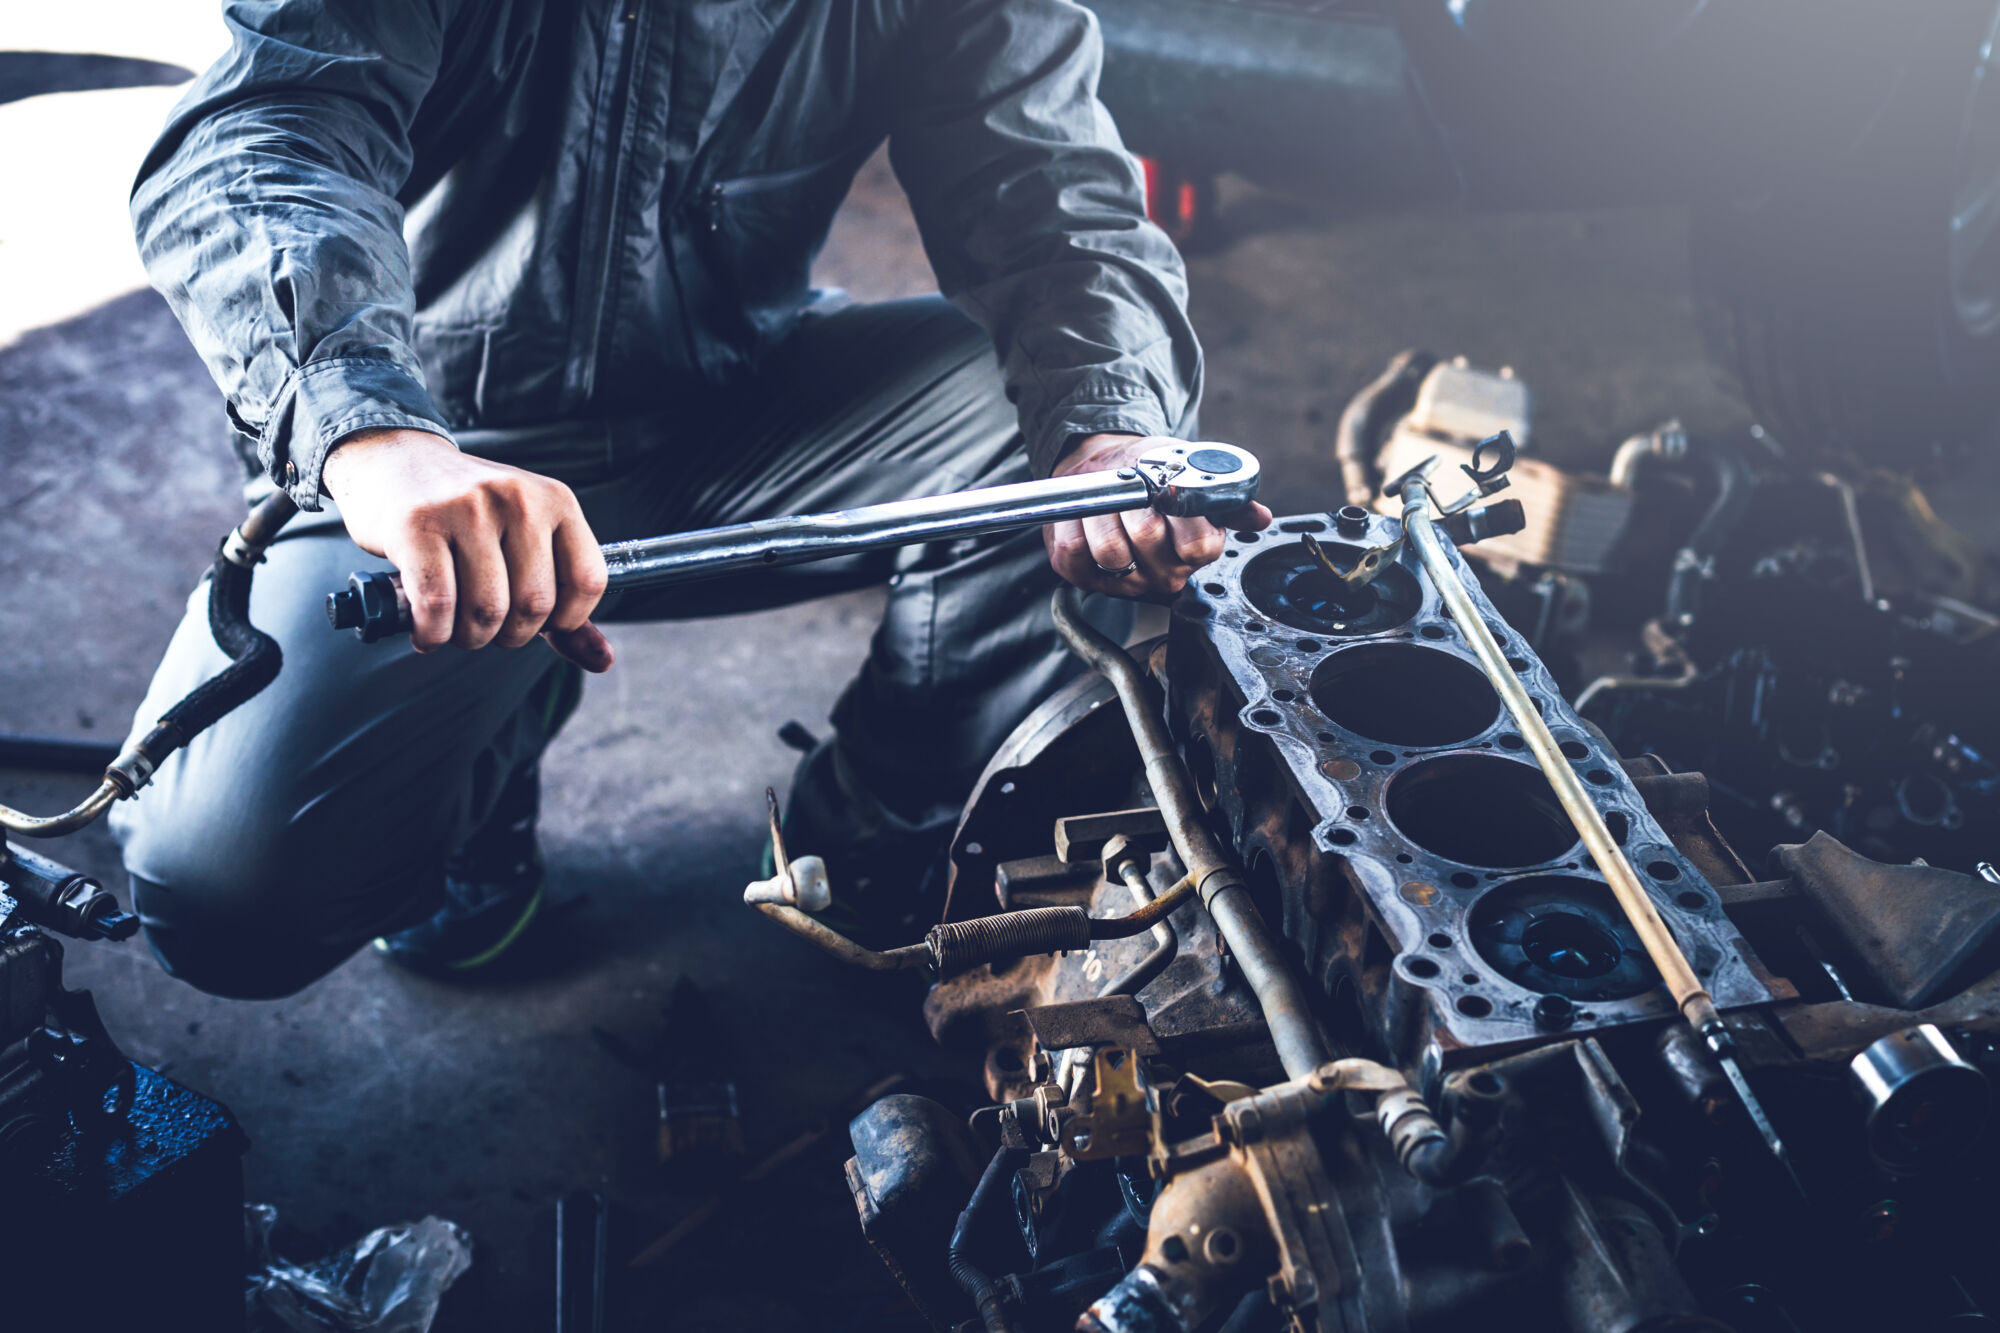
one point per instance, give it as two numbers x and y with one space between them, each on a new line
1470 978
1485 1084
1405 857
1357 812
1247 538
1283 696
1382 756
1212 589
1432 631
1518 663
1691 900
1574 750
1664 871
1511 742
1465 880
1598 777
1341 837
1439 940
1474 1006
1264 717
1310 645
1423 967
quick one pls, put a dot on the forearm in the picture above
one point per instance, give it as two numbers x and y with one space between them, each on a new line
267 216
1034 218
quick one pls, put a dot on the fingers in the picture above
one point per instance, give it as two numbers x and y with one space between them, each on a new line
585 645
482 587
531 583
1111 549
579 570
430 583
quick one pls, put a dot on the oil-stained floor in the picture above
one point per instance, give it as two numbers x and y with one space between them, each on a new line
375 1096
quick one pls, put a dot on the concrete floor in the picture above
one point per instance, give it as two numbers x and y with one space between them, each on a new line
375 1096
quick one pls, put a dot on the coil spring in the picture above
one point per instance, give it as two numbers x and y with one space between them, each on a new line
959 945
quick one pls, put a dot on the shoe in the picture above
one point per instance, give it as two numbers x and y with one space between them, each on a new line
888 873
493 886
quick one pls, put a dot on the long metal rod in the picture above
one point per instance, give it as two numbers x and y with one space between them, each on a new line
679 556
1693 999
1689 994
1282 999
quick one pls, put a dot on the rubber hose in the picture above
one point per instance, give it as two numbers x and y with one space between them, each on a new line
973 1280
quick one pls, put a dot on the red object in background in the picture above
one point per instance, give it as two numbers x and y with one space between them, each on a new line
1173 200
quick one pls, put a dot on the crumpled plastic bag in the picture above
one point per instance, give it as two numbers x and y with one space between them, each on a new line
389 1281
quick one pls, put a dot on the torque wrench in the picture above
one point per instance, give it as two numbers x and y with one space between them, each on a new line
1181 480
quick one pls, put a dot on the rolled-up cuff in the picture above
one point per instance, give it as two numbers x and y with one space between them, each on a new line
326 401
1138 415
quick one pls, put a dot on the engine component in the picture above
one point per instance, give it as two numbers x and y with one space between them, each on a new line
1924 1101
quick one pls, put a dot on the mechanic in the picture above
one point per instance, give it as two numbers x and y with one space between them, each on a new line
503 281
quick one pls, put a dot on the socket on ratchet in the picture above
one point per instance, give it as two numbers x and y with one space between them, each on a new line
1182 481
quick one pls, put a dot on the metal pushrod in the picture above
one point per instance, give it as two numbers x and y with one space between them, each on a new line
1693 999
1688 992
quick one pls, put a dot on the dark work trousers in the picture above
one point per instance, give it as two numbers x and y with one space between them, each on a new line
319 815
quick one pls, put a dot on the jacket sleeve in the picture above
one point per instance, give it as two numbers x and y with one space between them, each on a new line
1034 219
267 216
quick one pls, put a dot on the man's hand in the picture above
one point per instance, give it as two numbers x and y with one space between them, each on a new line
488 553
1141 552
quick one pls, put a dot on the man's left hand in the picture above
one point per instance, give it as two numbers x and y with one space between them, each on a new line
1141 552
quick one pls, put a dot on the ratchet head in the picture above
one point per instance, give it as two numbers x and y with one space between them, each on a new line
1199 480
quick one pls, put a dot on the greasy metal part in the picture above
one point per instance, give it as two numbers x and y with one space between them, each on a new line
1179 480
1692 998
1665 649
1365 569
1148 915
1924 1103
902 959
69 821
1301 1048
1166 944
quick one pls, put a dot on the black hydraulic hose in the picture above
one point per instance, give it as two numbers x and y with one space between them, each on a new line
254 663
986 1294
1358 438
254 655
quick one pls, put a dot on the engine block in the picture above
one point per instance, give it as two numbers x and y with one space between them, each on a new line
1390 817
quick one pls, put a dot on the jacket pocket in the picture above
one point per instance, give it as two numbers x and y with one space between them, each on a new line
761 233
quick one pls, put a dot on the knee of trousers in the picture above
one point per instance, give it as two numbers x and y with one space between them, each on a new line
244 890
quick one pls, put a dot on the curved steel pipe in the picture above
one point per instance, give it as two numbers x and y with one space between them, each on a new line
69 821
1216 877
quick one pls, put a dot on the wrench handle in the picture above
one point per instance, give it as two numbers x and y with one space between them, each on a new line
1182 480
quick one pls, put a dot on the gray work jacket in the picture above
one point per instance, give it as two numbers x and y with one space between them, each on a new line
458 213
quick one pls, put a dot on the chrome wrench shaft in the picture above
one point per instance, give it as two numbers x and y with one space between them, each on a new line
1184 481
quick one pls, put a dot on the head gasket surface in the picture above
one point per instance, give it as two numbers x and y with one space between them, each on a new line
1440 885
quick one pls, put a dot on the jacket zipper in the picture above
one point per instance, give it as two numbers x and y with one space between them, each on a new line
722 192
608 180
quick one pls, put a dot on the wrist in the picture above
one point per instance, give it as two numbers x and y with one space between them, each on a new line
353 453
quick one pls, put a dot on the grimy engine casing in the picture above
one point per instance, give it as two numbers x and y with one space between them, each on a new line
1390 817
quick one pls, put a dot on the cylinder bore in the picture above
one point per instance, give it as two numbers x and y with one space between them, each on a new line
1400 694
1287 585
1481 810
1561 935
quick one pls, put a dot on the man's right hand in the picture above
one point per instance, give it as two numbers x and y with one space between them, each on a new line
488 553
